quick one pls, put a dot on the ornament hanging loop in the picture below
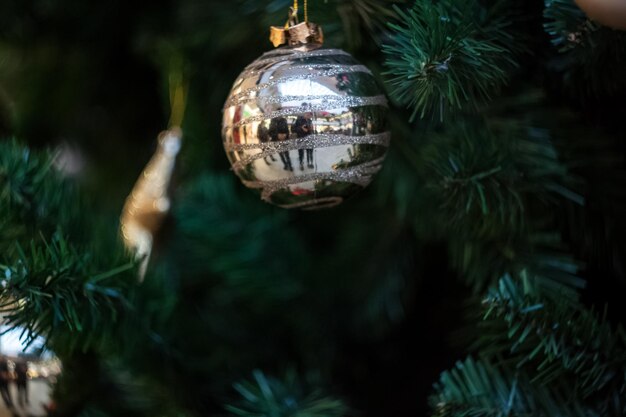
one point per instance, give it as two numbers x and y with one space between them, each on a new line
295 33
293 17
178 87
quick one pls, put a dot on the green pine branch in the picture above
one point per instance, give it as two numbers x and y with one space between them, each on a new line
269 397
448 55
482 263
554 338
488 176
53 288
33 195
479 389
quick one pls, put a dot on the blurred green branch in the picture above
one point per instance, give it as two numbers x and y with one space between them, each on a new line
266 396
487 177
33 196
479 389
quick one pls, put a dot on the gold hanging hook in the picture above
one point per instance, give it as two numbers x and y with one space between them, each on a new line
295 33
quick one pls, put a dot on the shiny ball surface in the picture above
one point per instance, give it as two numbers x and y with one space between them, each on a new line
305 126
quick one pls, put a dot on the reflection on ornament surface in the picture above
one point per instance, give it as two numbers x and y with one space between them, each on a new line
27 373
306 126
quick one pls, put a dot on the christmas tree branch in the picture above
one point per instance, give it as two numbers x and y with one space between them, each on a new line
480 389
266 396
33 196
483 262
554 339
448 55
487 176
52 288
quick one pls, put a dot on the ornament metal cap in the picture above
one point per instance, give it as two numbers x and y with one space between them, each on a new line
295 34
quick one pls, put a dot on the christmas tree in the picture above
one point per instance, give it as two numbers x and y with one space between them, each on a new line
480 274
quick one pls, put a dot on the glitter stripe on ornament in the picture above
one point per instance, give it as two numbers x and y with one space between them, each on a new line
306 76
296 68
359 174
332 139
291 111
331 100
307 142
317 203
274 56
303 53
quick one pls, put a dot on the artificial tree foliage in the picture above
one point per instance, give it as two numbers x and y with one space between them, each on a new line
481 274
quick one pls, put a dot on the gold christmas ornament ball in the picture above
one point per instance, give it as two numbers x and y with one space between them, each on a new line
611 13
305 126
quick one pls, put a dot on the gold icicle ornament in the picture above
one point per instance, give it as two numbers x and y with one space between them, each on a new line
149 203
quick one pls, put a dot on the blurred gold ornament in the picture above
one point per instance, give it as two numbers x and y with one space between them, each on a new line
611 13
148 204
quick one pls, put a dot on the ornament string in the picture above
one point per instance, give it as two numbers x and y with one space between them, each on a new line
177 91
294 12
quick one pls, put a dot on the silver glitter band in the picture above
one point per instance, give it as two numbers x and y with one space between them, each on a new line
359 174
315 204
307 142
273 56
331 100
321 139
306 76
296 68
291 111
